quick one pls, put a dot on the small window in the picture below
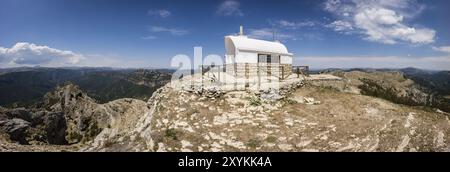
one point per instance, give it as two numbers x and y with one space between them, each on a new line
264 58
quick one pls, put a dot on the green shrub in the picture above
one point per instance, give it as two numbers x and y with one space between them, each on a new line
253 143
171 133
289 101
255 101
271 139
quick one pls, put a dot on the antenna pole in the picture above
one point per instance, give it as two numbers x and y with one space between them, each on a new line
241 30
273 34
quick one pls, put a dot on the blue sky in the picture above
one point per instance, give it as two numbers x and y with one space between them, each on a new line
321 33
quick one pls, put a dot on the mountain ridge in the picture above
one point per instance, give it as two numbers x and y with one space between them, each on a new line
318 116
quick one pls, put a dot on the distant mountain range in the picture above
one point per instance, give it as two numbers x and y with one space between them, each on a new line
25 86
436 81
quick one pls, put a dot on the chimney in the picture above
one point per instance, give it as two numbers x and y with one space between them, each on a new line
241 30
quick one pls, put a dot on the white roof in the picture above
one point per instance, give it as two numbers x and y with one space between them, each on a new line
243 43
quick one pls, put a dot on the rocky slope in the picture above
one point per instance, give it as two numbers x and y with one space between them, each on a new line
313 118
340 122
67 116
390 85
322 116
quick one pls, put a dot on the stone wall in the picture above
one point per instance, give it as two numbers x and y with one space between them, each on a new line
251 70
287 70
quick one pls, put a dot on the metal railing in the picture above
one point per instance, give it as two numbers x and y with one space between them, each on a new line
261 67
300 70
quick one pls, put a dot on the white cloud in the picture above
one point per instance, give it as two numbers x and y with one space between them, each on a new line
340 26
268 34
332 5
445 49
150 37
173 31
293 25
289 30
282 34
261 33
230 8
2 52
24 53
380 20
382 25
28 54
160 13
432 63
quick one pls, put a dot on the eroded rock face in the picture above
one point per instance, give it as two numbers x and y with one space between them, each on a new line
84 117
127 127
68 116
16 128
27 126
55 125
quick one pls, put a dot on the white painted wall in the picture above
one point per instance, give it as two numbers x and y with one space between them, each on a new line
229 59
286 60
246 57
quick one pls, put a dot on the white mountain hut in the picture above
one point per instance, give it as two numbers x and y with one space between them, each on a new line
246 57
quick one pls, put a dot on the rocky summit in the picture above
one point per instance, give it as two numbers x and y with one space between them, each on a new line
65 120
362 111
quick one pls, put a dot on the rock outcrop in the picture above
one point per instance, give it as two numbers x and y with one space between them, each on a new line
28 126
68 116
84 118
